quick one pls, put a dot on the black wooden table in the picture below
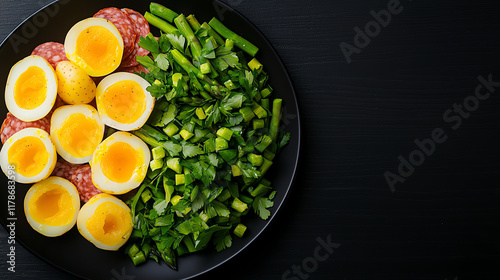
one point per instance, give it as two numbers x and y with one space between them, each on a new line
399 175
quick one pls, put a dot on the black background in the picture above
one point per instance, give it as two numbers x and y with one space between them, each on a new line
443 221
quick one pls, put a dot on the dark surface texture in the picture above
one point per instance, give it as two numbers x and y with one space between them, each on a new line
443 221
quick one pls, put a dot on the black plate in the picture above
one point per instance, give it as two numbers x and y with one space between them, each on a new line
71 252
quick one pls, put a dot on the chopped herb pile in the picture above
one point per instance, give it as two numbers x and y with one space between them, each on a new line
214 133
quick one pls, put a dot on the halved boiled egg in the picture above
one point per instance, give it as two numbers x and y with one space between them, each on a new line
31 88
51 206
105 221
76 131
95 45
123 101
120 163
32 154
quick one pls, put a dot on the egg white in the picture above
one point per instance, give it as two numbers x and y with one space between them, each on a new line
105 184
16 71
58 118
88 210
70 42
49 146
48 230
113 79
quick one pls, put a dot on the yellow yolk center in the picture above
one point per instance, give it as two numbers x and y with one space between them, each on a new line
79 135
119 162
30 89
99 49
109 223
51 205
28 155
124 101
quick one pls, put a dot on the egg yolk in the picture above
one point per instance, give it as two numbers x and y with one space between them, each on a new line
28 155
109 224
30 89
120 162
99 49
79 135
51 205
123 101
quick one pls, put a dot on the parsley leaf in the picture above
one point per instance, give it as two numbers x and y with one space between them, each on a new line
260 205
222 240
190 150
162 61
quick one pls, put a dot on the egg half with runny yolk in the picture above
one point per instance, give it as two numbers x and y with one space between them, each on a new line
32 154
31 89
76 131
120 163
123 101
51 206
95 45
105 221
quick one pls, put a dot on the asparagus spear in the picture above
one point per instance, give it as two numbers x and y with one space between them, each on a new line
239 41
275 119
163 12
158 22
195 24
183 26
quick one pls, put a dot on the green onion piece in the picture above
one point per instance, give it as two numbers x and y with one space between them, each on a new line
139 258
258 123
225 133
239 205
171 129
156 164
255 160
180 179
247 113
146 195
174 164
221 144
236 171
239 230
158 152
225 195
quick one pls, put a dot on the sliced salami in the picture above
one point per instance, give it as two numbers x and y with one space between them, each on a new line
142 30
124 24
65 169
53 52
134 69
12 125
131 60
82 179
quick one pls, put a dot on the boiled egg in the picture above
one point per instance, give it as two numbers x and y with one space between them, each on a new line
105 221
95 45
32 154
76 131
120 163
31 89
51 206
123 101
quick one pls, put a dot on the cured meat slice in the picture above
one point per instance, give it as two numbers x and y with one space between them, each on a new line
124 24
142 30
133 69
12 125
65 169
53 52
82 179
